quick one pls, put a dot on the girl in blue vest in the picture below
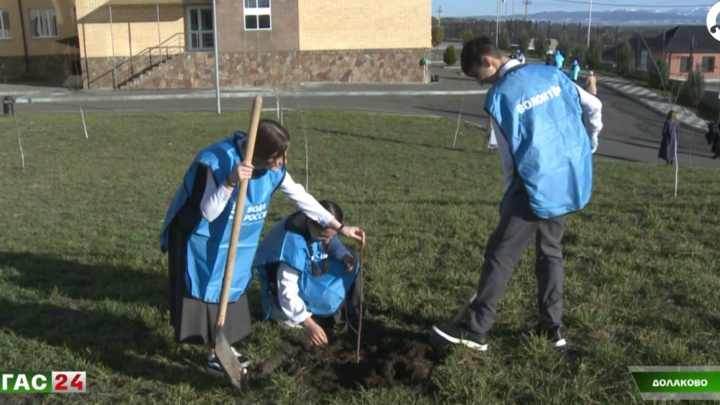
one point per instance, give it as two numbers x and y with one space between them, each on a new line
306 275
559 59
197 228
575 70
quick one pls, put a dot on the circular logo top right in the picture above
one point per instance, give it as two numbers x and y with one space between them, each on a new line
711 21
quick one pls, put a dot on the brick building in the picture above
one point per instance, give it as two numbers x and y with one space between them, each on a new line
151 44
38 39
684 47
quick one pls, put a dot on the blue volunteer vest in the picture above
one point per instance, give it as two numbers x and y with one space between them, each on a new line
575 71
207 245
559 60
538 109
323 294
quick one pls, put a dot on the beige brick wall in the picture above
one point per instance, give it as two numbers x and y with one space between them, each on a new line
369 24
38 46
134 28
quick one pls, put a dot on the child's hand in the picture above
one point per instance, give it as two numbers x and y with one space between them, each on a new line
243 171
350 262
315 333
354 233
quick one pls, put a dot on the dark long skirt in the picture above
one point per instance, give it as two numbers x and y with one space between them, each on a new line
193 319
669 142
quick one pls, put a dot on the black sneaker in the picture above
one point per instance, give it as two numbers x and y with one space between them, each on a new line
458 334
553 336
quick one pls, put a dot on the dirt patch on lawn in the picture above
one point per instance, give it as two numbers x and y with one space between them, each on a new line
388 357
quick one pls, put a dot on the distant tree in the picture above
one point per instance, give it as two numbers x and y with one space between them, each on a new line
541 45
659 74
594 54
437 35
626 60
565 46
524 41
450 57
504 40
694 88
467 36
579 53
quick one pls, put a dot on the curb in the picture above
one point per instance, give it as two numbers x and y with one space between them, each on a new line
269 94
648 105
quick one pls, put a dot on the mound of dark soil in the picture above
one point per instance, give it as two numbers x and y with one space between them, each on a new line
388 357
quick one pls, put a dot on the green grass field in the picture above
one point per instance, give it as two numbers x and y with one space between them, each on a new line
83 285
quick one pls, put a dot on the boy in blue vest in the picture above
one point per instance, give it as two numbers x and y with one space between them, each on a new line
197 228
546 152
306 275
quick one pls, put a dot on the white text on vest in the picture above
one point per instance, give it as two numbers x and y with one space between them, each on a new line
538 99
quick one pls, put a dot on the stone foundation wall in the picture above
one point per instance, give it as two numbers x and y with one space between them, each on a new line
196 69
41 67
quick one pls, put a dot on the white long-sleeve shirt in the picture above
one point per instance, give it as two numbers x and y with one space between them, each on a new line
288 284
216 197
591 106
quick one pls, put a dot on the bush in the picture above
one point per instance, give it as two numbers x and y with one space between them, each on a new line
694 88
504 40
437 35
626 60
659 73
450 57
467 36
579 54
593 57
524 41
541 46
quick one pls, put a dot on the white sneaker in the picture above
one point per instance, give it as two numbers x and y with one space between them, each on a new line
213 366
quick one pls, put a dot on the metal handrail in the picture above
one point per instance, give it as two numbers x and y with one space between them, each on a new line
176 41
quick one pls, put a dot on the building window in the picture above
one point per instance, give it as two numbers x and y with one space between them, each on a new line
257 14
5 32
708 64
43 23
685 64
200 28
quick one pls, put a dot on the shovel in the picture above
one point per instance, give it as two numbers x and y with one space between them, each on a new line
223 351
439 344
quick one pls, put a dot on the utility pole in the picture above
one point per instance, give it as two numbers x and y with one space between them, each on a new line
497 24
527 3
439 11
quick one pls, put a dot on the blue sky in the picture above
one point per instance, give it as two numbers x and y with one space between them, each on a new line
461 8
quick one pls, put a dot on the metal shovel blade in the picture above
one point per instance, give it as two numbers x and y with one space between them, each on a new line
228 361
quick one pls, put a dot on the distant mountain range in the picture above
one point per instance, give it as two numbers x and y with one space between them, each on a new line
617 16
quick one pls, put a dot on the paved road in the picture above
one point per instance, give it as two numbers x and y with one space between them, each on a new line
632 132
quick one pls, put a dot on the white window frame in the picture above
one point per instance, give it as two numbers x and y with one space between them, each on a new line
200 31
2 26
257 11
45 15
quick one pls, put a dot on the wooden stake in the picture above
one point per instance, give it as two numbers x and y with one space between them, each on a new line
362 249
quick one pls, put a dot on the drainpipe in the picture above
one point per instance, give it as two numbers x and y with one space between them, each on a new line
112 44
22 27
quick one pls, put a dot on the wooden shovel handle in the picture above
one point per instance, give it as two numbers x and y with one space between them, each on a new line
463 310
238 214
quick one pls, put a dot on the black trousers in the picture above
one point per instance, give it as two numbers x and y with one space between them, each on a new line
517 225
